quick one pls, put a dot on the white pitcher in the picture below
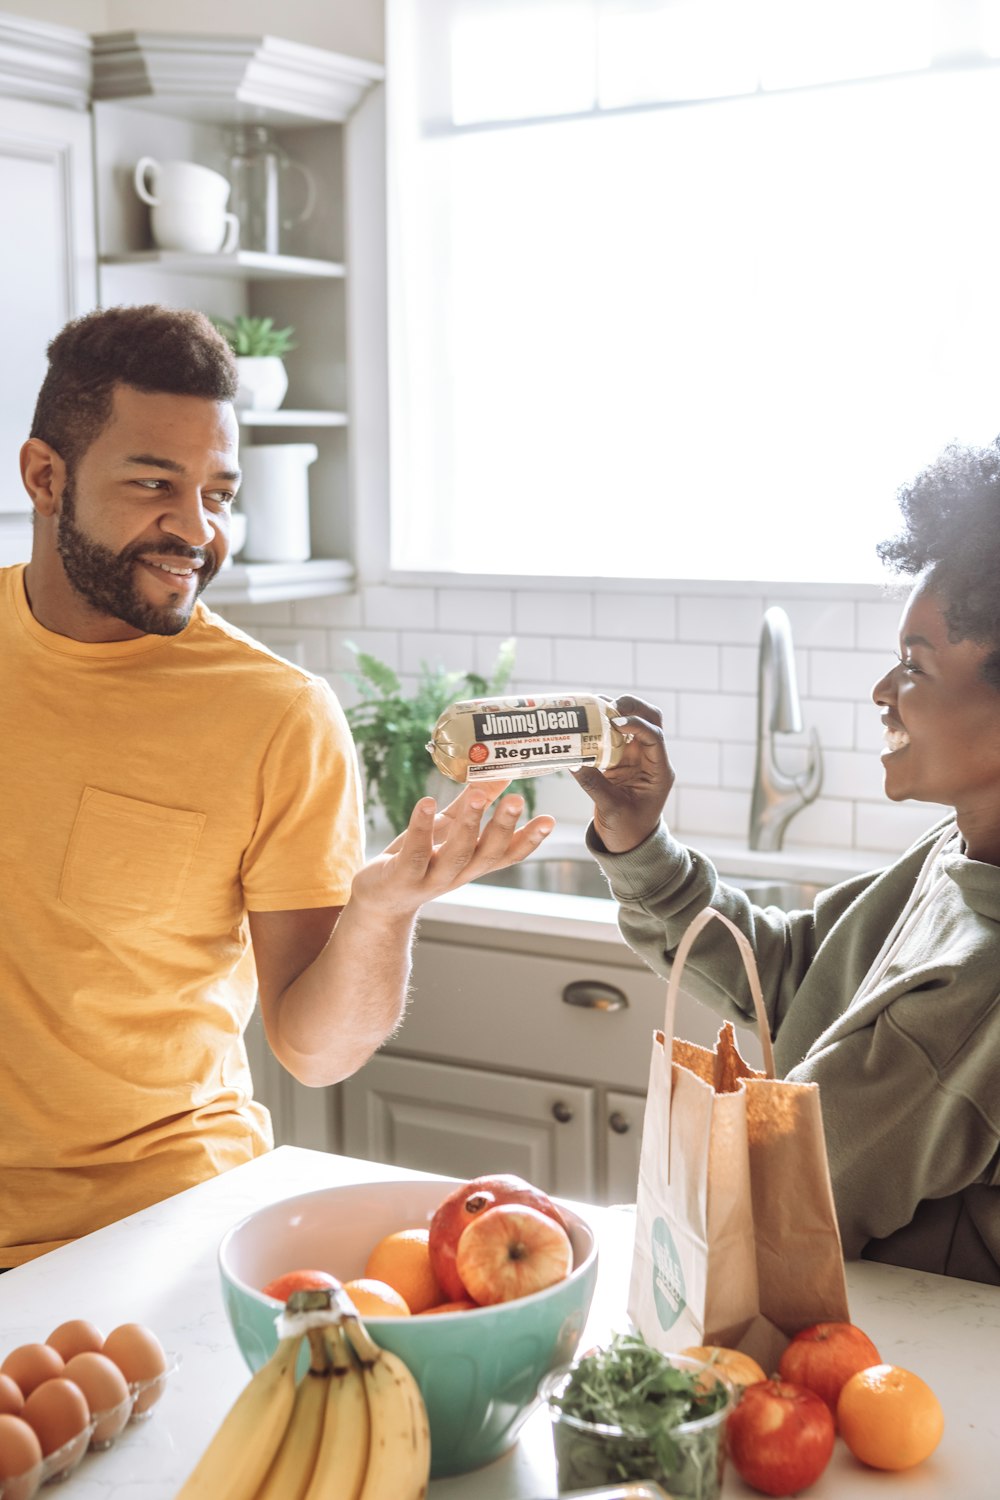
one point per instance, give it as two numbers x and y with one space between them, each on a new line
274 497
188 203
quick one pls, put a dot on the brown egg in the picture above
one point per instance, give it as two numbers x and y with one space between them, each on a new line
20 1459
139 1355
58 1412
30 1364
76 1337
11 1396
107 1393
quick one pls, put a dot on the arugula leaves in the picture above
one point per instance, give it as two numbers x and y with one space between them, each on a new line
636 1400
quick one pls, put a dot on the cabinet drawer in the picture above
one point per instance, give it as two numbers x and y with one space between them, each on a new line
511 1010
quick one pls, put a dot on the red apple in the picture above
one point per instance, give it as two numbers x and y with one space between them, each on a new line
510 1251
779 1437
461 1206
824 1356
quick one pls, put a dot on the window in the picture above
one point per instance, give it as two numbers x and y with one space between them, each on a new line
666 301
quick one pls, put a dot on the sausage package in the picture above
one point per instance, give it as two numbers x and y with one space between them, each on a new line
491 739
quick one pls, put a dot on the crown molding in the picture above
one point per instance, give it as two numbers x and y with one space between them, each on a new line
221 79
45 63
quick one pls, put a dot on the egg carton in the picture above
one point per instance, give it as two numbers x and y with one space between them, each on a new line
110 1424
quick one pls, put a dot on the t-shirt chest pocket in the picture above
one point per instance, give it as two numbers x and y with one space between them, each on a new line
127 860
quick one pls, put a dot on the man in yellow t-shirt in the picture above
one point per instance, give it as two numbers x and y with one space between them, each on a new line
182 830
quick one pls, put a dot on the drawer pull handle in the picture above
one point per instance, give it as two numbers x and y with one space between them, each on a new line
562 1112
620 1124
591 994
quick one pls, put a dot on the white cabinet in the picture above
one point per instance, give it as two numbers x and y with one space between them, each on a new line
47 244
177 97
468 1121
621 1122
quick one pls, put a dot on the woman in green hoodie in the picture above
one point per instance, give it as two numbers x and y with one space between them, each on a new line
886 993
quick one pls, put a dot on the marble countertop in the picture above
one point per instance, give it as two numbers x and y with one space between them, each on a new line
159 1267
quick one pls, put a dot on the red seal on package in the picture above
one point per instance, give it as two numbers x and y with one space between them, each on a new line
478 753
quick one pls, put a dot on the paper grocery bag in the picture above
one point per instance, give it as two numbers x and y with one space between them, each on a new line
736 1232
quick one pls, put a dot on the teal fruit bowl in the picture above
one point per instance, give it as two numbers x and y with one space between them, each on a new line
479 1370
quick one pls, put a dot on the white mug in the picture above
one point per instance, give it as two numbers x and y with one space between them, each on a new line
188 203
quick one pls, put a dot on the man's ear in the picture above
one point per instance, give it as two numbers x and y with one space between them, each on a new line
43 474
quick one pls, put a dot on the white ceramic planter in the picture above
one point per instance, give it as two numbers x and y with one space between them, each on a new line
274 497
263 383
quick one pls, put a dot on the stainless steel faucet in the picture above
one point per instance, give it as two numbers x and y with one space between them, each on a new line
777 796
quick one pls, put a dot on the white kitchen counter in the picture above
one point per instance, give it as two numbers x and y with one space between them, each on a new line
506 909
159 1267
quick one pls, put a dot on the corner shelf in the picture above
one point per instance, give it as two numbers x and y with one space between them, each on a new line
267 583
252 264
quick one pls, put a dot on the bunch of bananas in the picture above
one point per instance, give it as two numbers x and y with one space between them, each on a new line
353 1428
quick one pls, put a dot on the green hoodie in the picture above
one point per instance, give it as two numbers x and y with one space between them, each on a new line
907 1058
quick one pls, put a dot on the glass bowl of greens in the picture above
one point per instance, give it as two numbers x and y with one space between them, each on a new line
626 1411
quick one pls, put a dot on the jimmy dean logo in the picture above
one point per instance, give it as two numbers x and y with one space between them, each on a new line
539 721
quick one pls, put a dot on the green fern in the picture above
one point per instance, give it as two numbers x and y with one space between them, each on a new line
391 730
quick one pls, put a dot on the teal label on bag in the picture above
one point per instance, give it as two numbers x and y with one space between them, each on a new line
668 1277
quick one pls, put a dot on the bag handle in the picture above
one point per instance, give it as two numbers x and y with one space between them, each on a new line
750 965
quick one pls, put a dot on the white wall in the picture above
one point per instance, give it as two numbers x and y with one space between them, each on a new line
355 27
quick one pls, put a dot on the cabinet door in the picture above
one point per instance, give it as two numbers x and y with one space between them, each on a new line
464 1122
47 258
622 1122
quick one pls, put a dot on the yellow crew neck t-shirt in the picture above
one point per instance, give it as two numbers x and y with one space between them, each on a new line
155 791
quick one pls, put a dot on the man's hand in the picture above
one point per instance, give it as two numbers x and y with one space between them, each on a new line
629 798
439 851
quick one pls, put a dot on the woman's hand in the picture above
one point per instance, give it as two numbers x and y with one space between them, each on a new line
629 798
440 851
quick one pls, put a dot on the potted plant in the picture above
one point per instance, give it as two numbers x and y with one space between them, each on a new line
391 729
260 349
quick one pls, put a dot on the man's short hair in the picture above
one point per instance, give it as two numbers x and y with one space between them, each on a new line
150 348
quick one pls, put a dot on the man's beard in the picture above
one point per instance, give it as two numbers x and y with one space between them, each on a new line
106 579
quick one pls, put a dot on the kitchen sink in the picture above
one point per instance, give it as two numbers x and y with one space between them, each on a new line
583 877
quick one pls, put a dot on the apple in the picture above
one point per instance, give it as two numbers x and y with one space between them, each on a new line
779 1437
511 1251
461 1206
824 1356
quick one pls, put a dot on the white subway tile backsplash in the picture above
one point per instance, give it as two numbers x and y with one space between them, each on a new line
878 625
820 622
476 609
824 824
696 762
844 674
832 721
647 617
453 652
724 814
894 826
738 669
852 775
692 653
383 644
388 608
557 613
717 716
678 666
601 666
337 612
727 621
532 660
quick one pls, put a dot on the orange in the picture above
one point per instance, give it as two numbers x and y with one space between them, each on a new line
402 1260
738 1368
889 1418
374 1299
